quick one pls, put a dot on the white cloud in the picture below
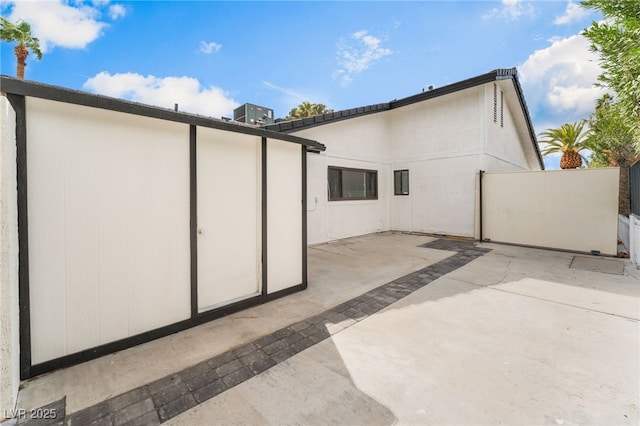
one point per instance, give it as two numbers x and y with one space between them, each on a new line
164 92
117 11
574 13
561 77
511 10
357 54
58 23
210 47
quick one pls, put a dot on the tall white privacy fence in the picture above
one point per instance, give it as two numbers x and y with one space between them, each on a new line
562 209
135 222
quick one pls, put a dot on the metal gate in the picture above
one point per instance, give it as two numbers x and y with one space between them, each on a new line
634 188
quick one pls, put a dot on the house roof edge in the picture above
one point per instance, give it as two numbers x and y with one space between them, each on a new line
523 104
14 86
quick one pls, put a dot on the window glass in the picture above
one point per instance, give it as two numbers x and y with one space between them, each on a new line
352 184
335 184
372 185
401 182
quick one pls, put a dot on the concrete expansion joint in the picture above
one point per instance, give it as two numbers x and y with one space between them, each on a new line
542 299
163 399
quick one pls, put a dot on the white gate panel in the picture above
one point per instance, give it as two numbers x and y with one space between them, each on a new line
229 217
108 210
564 209
284 215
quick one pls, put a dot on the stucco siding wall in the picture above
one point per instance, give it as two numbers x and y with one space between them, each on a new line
508 138
363 138
361 143
442 197
443 127
9 321
439 141
491 163
332 220
401 209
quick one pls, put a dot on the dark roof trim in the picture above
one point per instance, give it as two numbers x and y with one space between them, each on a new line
61 94
445 90
303 123
495 75
525 109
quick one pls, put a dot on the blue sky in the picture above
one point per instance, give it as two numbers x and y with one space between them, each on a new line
211 56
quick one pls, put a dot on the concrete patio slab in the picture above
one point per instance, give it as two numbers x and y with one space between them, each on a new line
485 335
511 350
598 264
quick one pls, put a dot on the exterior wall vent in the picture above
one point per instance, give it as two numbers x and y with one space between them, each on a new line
495 103
501 108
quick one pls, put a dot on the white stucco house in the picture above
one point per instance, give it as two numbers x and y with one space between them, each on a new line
126 222
413 164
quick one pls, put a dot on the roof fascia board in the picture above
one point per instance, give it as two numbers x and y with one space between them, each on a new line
331 117
445 90
527 117
60 94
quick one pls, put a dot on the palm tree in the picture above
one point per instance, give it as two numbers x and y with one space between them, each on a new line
21 34
307 109
568 139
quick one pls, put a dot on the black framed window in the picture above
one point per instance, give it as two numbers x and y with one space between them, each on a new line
401 182
352 184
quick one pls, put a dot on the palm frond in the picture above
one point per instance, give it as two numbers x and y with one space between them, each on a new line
568 137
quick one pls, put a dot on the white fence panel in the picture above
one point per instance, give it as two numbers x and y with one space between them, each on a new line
564 209
108 199
229 217
284 215
634 239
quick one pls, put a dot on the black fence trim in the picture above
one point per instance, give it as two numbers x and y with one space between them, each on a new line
18 104
193 217
264 209
304 216
107 348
